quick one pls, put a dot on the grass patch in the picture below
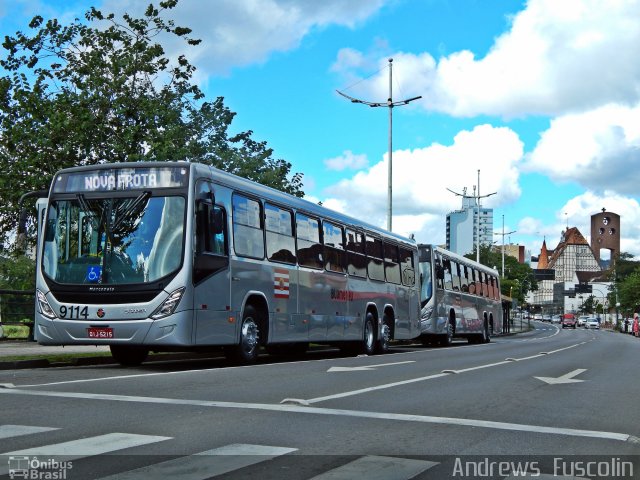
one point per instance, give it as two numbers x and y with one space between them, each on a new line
15 332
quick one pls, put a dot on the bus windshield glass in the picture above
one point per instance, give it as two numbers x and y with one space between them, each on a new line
134 239
426 283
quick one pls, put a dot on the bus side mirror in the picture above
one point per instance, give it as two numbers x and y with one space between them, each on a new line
439 272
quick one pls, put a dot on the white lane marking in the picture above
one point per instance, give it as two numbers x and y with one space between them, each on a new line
623 437
85 447
210 463
566 378
8 431
367 367
378 468
444 373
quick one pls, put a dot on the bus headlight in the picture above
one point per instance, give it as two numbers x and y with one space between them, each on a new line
169 305
44 307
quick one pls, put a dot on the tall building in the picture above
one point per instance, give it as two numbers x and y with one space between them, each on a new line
558 270
464 226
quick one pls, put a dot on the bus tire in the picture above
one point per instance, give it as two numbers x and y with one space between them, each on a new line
382 344
486 336
246 351
447 339
369 340
128 355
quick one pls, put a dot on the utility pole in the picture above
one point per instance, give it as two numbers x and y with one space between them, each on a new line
503 234
390 104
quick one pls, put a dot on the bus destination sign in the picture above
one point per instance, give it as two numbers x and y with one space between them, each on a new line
121 179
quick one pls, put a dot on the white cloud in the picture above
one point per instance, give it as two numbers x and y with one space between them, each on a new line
348 160
598 148
558 56
421 178
242 32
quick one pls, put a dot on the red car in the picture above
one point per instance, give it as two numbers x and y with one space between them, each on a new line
569 320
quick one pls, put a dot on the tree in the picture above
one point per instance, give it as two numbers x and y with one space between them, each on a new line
628 292
518 277
102 90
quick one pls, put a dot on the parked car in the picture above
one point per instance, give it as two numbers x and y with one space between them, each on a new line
537 316
627 326
592 322
581 320
556 319
569 320
546 318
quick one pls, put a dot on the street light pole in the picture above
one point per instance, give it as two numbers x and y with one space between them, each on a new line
503 235
390 104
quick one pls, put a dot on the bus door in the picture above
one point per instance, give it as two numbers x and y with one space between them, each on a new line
211 273
282 293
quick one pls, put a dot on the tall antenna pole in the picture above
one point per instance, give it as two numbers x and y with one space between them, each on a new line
390 104
390 166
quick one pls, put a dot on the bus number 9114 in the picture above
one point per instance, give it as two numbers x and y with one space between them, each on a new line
74 311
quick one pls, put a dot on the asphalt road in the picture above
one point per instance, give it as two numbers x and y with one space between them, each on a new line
549 402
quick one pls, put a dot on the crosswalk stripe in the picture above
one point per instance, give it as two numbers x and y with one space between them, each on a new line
8 431
85 447
378 468
206 464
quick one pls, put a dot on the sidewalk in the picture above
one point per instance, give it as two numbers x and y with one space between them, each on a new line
24 348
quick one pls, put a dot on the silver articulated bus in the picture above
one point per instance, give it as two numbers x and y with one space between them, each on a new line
173 256
458 298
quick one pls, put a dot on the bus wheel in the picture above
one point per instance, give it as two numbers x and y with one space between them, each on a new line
382 345
247 350
447 338
127 355
369 341
486 336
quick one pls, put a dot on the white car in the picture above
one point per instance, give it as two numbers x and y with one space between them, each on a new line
592 322
581 320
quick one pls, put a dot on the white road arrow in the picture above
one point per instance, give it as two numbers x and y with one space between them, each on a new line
566 378
365 368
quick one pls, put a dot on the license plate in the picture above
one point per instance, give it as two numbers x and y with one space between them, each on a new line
95 332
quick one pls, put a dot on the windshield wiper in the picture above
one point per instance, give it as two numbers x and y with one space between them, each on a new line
130 209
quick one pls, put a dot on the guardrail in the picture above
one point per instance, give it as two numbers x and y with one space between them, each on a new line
17 307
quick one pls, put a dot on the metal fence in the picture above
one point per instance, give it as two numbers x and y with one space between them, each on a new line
17 307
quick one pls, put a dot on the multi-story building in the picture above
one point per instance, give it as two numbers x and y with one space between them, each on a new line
572 262
465 225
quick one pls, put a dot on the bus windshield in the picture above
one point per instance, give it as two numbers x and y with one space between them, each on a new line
126 240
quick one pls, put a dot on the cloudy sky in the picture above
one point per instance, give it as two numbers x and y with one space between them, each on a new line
541 96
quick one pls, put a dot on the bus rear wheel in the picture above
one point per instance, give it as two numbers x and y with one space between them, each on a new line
382 344
127 355
246 351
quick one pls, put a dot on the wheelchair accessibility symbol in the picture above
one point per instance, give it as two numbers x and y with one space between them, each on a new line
93 274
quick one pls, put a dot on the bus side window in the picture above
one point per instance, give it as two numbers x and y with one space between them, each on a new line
391 263
356 259
472 281
248 233
375 266
308 238
455 276
406 266
448 281
281 245
464 283
333 236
